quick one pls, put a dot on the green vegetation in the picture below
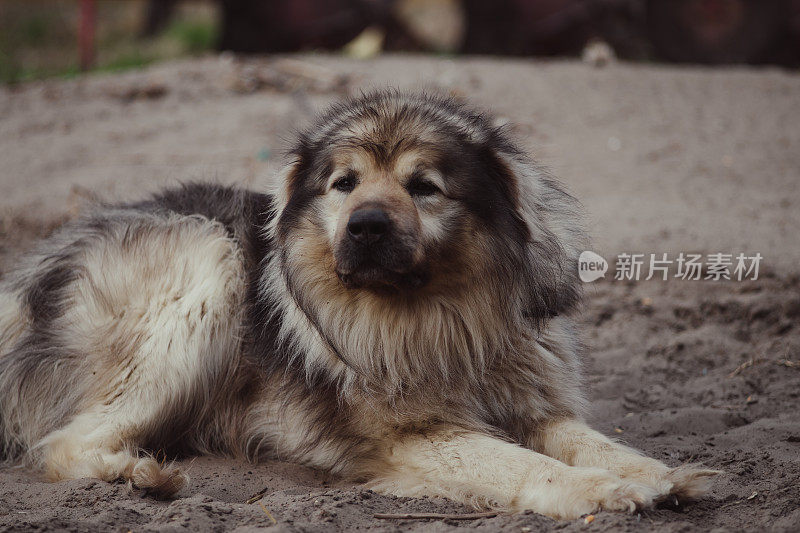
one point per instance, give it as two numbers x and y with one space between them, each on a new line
194 35
40 39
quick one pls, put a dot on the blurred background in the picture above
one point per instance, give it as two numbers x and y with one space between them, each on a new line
47 38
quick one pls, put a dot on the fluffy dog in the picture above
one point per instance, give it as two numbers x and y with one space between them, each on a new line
398 311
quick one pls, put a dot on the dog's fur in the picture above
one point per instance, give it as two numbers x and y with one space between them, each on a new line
441 360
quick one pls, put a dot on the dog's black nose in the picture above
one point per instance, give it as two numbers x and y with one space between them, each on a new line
367 226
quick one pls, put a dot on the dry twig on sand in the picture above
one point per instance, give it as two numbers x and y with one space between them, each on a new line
754 361
435 516
255 497
747 364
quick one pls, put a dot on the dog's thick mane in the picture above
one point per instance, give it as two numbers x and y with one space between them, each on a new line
396 345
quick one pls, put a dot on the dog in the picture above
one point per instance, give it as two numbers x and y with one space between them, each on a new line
398 310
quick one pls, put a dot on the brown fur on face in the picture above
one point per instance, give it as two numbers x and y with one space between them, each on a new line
400 262
431 230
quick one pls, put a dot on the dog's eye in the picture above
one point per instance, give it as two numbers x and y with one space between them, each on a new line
421 187
345 184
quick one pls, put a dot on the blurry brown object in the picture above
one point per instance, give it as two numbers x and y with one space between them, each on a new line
157 16
698 31
721 31
252 26
529 27
553 27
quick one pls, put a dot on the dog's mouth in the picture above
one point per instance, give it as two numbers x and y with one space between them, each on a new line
372 276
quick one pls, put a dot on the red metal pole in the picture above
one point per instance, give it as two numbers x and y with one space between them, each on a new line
86 33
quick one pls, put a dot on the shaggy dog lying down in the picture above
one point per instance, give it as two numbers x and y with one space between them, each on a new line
399 311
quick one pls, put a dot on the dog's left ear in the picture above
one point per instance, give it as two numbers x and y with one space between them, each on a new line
556 237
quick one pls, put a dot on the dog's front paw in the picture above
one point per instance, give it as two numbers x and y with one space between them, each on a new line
158 480
681 483
584 491
689 482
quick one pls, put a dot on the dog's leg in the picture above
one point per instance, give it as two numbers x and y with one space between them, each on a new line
484 471
155 317
95 444
576 444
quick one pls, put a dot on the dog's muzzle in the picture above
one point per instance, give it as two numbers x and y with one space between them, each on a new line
375 254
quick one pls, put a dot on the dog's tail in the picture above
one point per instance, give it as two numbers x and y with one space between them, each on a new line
12 326
35 380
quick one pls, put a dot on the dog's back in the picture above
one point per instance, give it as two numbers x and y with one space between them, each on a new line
103 309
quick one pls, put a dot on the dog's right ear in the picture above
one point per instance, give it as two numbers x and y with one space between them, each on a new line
281 188
290 179
281 185
295 186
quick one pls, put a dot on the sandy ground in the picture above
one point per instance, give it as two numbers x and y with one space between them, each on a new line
664 159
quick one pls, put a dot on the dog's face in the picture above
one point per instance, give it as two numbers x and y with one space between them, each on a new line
392 194
385 207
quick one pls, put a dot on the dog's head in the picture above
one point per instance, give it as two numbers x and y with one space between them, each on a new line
395 195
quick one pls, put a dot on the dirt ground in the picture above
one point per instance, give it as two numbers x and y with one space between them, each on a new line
664 159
